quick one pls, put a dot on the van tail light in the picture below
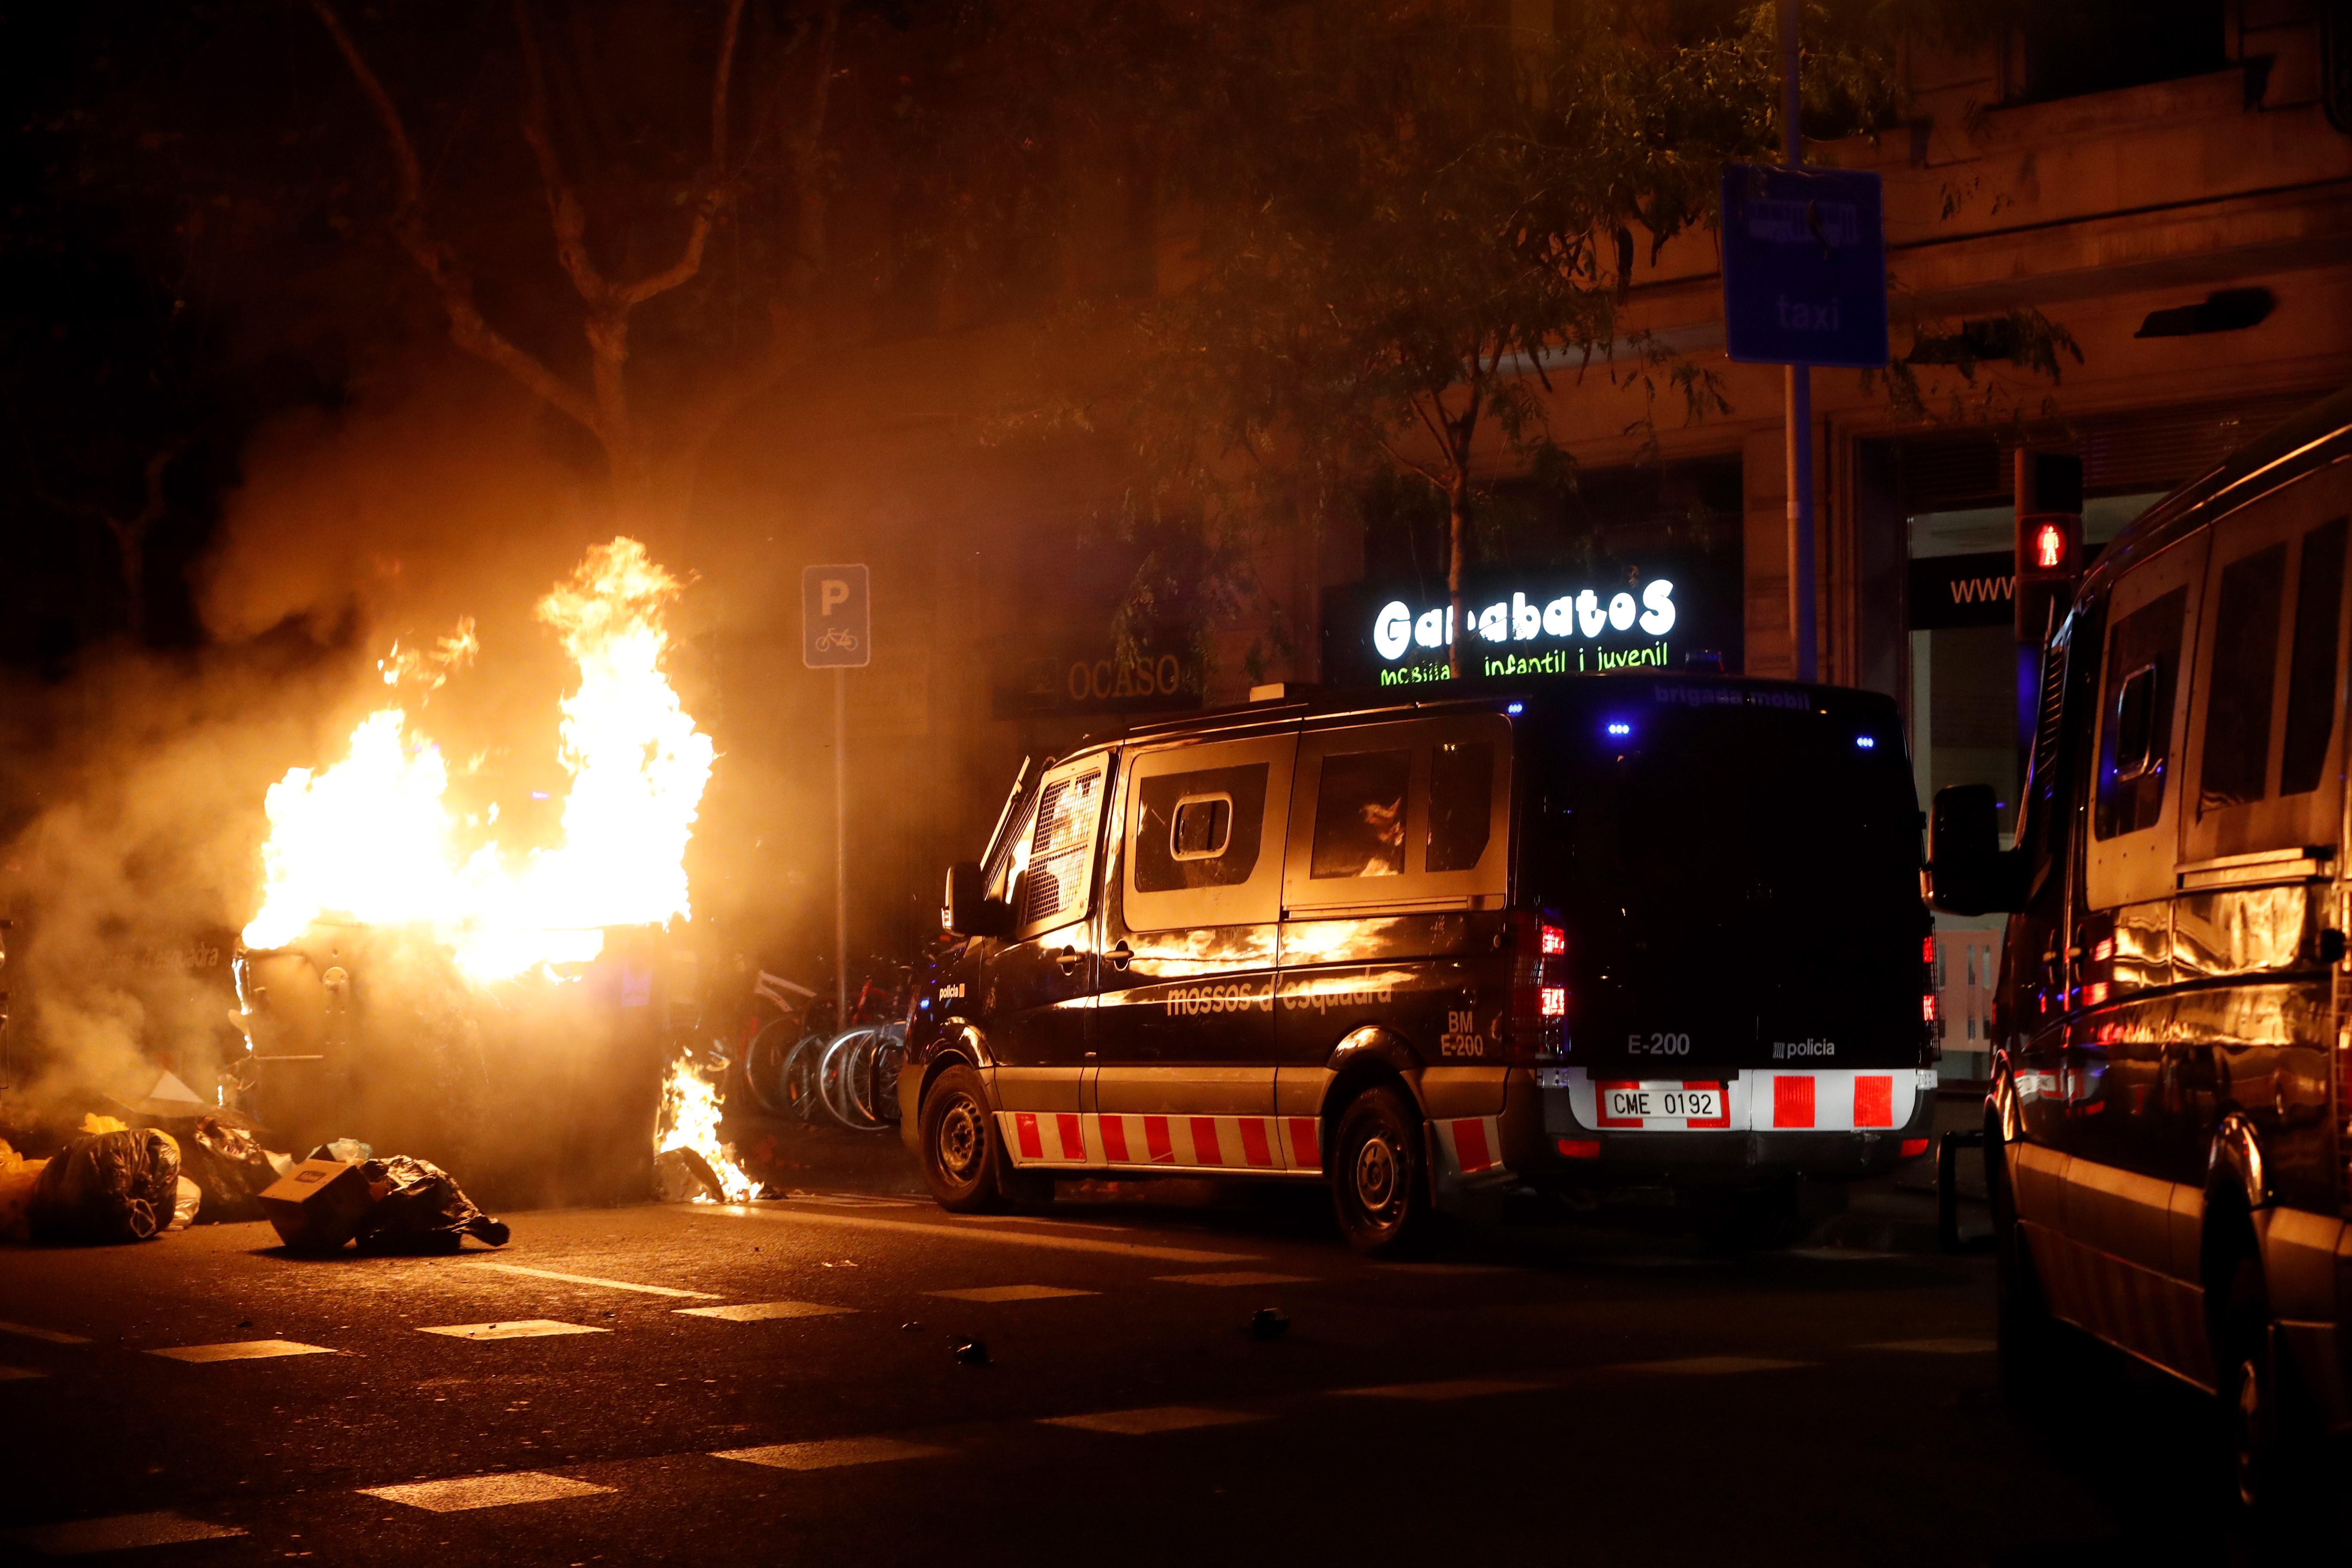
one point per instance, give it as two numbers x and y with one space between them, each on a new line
1538 1011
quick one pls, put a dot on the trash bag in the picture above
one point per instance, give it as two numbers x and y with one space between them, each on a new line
231 1169
18 1176
423 1210
113 1187
183 1206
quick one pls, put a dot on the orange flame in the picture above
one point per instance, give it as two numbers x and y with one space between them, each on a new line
691 1107
371 840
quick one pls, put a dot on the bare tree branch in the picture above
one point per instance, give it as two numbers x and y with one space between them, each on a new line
467 329
565 213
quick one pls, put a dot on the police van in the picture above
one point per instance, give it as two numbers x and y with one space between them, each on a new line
1624 929
2166 1139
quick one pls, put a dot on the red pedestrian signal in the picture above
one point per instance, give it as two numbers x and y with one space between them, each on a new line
2050 546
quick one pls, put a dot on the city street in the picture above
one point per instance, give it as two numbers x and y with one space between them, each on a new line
780 1383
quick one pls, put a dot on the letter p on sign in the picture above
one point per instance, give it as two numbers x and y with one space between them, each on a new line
836 629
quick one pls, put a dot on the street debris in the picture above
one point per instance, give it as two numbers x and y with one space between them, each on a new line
106 1187
17 1177
683 1176
398 1203
691 1163
421 1208
185 1205
970 1353
1269 1323
231 1170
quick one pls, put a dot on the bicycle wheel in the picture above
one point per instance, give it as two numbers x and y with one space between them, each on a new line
764 1066
839 1077
882 1065
802 1097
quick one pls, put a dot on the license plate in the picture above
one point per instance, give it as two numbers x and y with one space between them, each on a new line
1661 1106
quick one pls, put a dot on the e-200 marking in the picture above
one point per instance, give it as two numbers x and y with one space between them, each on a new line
1641 1045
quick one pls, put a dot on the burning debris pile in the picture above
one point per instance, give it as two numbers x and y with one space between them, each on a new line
692 1162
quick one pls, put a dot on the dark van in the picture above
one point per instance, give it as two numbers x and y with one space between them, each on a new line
1625 929
2164 1142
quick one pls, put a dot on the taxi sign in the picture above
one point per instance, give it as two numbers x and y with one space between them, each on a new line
1804 267
837 622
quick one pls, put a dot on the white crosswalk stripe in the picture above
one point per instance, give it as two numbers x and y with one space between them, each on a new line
1009 1293
830 1453
526 1329
759 1311
1159 1419
243 1349
484 1492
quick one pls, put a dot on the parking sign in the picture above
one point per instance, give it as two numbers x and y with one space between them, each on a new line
1804 267
836 628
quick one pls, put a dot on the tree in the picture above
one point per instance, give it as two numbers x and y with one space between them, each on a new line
1412 220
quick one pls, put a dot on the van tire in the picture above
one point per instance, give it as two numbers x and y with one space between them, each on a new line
1380 1174
2029 1341
963 1158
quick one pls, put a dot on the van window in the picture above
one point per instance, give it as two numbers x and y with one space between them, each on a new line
2311 676
2143 684
1359 815
2244 667
1204 829
1062 849
1460 803
1199 829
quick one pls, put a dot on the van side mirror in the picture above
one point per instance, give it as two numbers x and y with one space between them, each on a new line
969 910
1968 873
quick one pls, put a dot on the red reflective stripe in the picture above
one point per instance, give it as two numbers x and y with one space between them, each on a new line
1470 1144
1254 1144
1303 1152
1204 1142
1155 1141
1074 1138
1874 1102
1723 1106
1600 1105
1113 1132
1032 1146
1793 1101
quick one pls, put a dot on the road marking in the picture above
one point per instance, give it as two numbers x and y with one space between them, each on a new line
243 1349
1457 1388
1009 1293
120 1533
591 1279
1709 1365
528 1329
1003 1237
830 1454
54 1338
1840 1255
1938 1347
11 1374
1235 1276
758 1312
484 1492
1446 1268
1161 1418
1034 1219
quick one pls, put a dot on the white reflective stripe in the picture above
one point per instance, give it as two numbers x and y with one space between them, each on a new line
1066 1140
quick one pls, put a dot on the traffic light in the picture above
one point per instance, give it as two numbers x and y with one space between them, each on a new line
2049 540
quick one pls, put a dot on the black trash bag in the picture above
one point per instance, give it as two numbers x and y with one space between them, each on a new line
231 1170
110 1186
423 1210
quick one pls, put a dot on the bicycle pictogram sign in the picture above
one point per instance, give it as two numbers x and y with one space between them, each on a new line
836 617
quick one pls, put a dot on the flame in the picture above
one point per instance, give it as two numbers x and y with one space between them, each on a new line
371 838
689 1119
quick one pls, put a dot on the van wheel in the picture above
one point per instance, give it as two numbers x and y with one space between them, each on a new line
2246 1356
1380 1186
961 1157
2027 1337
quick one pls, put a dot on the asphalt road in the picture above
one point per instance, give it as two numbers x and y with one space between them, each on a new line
777 1383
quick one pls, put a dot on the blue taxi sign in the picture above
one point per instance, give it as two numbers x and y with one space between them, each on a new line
837 625
1804 265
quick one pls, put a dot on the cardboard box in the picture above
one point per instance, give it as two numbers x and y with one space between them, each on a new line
317 1206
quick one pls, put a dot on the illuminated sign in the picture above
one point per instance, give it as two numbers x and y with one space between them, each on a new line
2050 547
1654 614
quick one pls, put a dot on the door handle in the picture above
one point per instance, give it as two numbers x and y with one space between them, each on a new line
1119 953
1069 959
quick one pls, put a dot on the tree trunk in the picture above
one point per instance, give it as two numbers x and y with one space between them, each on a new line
1457 527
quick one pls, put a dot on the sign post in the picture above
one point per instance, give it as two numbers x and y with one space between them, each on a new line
837 633
1804 283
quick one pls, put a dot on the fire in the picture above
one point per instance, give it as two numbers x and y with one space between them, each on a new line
689 1119
373 839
